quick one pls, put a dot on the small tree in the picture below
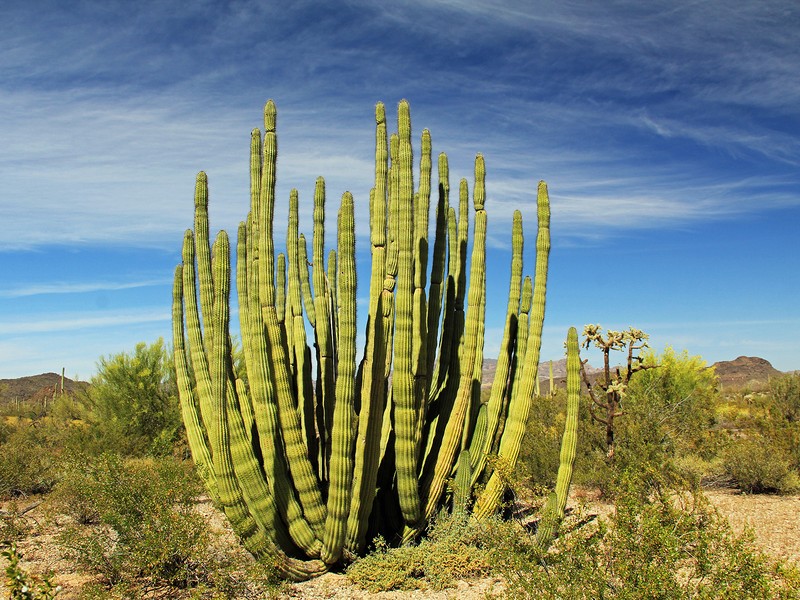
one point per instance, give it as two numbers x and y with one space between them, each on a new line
132 403
608 390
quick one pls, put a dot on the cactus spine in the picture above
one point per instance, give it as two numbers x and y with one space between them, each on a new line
310 468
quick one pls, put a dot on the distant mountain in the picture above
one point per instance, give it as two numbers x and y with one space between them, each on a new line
559 372
37 388
743 371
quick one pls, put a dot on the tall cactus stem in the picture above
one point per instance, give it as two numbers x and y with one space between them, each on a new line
554 510
405 413
341 465
494 408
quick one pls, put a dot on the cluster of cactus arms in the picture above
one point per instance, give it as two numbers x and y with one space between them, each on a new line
312 453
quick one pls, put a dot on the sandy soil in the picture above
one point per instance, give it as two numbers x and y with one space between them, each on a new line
775 521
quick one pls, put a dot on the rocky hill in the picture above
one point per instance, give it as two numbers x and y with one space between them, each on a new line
744 371
37 388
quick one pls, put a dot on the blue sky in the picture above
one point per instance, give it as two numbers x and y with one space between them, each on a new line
667 133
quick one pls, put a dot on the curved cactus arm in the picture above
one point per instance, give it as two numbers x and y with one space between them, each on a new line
483 443
520 403
341 466
190 410
443 365
554 510
244 319
305 283
302 472
194 332
255 537
261 396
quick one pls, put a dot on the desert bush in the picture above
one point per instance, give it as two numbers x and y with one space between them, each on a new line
785 394
28 460
454 549
21 585
132 404
783 410
757 464
146 529
659 543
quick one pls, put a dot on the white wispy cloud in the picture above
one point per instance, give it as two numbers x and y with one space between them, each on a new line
77 287
94 320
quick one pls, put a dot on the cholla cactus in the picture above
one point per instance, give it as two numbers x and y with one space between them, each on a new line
613 382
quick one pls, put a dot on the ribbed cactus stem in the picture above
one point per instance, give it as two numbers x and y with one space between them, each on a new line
495 406
302 472
305 283
322 330
197 354
405 413
462 485
273 466
419 339
518 360
554 510
519 406
190 410
436 295
332 312
373 392
203 250
280 291
297 342
341 465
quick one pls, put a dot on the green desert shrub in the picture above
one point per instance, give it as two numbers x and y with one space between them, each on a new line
28 460
142 522
455 549
668 425
757 464
22 585
664 544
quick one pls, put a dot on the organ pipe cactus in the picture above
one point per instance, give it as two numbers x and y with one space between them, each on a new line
554 509
313 454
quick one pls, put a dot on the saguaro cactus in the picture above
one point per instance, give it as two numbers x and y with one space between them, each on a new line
308 468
